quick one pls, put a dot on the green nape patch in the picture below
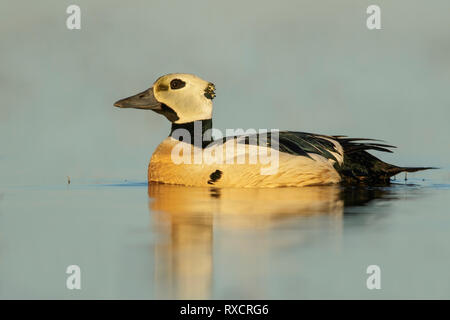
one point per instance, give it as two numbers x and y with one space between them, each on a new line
209 91
162 87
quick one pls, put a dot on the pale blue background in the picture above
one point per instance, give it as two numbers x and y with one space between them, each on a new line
298 65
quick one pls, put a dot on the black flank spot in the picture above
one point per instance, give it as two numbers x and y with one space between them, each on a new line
216 175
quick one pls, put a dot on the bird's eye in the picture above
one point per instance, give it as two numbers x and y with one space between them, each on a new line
177 84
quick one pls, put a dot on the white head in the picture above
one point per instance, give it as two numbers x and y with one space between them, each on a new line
181 97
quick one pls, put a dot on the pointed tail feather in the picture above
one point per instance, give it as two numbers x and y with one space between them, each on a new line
396 170
362 167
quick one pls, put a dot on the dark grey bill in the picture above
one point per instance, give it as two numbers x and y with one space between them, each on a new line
144 100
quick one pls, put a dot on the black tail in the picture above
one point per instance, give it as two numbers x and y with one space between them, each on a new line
397 170
360 167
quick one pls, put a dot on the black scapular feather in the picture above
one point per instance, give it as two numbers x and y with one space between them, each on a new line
361 167
358 167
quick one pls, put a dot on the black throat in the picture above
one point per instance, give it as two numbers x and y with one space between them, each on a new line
197 132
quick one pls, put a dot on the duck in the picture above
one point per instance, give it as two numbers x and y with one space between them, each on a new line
190 156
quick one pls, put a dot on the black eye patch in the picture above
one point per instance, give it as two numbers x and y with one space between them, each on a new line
177 84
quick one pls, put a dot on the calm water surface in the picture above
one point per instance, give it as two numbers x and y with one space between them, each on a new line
310 66
136 241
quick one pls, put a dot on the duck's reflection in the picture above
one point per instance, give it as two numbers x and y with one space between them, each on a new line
188 217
